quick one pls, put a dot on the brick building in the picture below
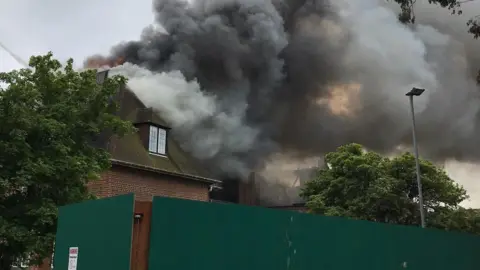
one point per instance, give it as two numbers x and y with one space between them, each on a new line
151 163
148 162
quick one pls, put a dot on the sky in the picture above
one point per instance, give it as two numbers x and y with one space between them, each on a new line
74 29
78 29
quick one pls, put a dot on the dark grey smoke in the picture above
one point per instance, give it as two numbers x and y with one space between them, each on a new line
280 66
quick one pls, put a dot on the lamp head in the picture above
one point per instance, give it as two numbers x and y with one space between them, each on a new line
415 92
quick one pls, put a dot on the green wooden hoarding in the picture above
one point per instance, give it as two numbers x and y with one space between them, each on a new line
101 232
188 235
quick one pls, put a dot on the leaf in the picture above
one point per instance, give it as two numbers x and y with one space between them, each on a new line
364 185
49 115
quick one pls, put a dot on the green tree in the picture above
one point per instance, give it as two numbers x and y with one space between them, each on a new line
364 185
407 15
49 116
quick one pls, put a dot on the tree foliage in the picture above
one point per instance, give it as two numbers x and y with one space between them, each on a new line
407 15
49 115
364 185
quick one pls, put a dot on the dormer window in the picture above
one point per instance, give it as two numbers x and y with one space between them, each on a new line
102 76
157 142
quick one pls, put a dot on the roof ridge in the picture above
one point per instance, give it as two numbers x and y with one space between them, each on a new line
158 170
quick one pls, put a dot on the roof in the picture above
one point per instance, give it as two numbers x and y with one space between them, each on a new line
162 171
129 150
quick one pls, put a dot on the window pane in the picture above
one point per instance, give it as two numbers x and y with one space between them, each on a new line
162 141
153 141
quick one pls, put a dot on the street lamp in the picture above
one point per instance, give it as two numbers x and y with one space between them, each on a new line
417 92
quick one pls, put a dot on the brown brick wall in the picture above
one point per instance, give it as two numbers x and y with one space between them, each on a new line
122 180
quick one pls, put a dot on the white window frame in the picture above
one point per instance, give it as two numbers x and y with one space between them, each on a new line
157 141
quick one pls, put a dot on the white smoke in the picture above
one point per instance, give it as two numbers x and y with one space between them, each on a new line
185 108
434 54
388 58
384 56
383 47
465 173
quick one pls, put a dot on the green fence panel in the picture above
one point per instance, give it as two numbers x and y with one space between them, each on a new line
102 231
189 235
338 243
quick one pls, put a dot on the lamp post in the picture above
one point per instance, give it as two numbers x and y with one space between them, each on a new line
410 94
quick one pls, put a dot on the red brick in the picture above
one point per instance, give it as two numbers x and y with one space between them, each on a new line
123 180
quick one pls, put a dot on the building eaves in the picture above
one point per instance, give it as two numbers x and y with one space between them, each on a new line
164 172
301 204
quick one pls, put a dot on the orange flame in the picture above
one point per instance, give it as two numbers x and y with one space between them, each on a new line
101 61
341 99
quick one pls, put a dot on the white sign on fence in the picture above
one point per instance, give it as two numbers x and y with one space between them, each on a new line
72 258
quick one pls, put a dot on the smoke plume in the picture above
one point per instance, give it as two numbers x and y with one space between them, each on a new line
241 81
